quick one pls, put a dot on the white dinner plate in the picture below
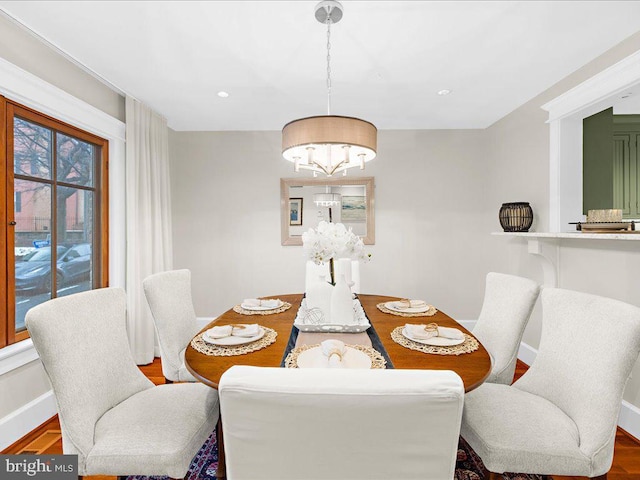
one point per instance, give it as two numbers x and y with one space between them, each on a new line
395 306
435 341
352 358
258 308
233 340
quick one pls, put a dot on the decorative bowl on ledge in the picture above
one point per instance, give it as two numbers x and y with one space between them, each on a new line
516 216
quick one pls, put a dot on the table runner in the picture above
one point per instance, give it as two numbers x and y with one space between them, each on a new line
368 338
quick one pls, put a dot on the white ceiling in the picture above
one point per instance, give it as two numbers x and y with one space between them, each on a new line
389 58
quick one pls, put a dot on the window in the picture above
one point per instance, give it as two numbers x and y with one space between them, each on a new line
53 205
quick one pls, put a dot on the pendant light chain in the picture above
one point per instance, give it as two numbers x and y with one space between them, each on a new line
329 65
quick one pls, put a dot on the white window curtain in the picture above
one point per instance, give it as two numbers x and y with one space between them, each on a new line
148 199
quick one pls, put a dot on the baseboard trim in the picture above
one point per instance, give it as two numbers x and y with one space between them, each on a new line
629 418
26 418
526 353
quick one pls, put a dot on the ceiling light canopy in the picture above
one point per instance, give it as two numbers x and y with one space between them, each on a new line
329 143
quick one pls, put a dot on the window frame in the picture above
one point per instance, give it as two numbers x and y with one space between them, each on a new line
8 110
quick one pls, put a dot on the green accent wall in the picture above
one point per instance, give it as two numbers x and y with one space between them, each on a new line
597 161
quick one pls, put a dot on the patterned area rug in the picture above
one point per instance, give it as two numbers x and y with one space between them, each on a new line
203 466
468 465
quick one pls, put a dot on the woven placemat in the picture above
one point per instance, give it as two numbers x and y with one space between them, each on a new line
214 350
377 360
469 345
432 311
284 307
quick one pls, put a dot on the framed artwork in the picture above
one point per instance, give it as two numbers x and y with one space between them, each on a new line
353 209
295 211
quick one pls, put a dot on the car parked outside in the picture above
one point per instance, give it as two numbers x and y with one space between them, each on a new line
33 273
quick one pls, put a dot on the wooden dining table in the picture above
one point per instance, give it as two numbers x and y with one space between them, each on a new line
472 367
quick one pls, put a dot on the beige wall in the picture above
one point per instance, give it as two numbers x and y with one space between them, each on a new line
430 230
21 48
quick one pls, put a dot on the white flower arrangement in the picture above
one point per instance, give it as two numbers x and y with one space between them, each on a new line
330 241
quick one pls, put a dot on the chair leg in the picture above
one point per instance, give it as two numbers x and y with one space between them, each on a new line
221 473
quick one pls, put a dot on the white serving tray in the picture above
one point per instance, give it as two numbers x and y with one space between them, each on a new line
362 323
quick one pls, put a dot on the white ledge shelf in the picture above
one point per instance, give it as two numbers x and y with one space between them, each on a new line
571 235
545 245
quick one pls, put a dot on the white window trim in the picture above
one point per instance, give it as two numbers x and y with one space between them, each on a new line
25 88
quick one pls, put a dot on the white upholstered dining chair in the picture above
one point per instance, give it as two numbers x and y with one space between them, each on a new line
560 417
342 424
507 306
112 416
169 297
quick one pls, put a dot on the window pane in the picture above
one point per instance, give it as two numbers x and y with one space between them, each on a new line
74 272
32 240
75 160
31 149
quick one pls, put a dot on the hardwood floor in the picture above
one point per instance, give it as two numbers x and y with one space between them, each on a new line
46 439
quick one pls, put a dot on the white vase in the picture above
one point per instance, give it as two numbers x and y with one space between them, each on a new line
343 267
318 295
342 303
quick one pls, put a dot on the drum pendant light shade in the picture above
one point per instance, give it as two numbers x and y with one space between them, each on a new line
329 143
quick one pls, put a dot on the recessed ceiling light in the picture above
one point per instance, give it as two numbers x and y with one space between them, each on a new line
444 92
223 94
